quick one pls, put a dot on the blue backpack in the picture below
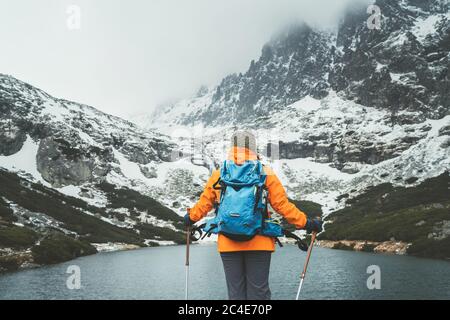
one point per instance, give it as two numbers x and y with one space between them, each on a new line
242 211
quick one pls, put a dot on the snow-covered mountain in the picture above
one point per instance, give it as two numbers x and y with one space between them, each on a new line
69 146
71 169
335 114
348 118
401 67
345 109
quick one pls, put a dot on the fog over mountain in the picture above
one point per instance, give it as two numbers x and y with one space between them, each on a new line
143 53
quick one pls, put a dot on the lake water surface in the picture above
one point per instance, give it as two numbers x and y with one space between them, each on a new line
159 273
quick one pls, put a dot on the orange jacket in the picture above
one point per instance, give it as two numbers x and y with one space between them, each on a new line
277 198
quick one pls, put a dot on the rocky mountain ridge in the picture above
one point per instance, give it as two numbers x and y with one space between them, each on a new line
355 99
403 66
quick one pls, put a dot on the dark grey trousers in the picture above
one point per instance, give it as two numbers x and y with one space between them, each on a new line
247 274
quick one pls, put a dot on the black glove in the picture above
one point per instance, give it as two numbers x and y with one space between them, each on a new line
187 221
313 225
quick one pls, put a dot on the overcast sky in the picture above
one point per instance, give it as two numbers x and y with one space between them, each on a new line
129 56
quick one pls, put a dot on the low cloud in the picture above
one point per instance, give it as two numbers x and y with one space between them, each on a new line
126 57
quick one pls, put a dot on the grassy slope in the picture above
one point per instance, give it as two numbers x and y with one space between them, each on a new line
408 214
136 202
68 210
55 246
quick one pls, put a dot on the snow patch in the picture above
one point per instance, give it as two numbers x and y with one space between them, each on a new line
24 160
114 246
129 169
71 191
164 168
307 104
426 26
160 242
309 168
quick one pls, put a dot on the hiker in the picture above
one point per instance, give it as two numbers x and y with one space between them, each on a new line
246 258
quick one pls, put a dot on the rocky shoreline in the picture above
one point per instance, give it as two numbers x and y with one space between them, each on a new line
386 247
17 260
11 260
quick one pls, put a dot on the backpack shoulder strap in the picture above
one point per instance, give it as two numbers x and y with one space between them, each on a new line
224 168
262 174
215 187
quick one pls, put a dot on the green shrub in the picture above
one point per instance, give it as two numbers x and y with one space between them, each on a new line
6 213
70 210
132 200
149 231
405 214
65 209
431 248
384 197
13 262
405 225
59 248
312 209
17 237
9 263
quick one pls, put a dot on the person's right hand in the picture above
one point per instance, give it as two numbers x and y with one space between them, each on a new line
187 220
313 225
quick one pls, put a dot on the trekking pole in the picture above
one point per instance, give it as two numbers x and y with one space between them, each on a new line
308 255
188 232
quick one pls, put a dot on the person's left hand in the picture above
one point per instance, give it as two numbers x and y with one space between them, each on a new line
313 225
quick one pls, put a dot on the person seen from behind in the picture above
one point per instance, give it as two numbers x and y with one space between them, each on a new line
240 192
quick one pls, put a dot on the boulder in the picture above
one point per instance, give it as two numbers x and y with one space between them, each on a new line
62 163
11 138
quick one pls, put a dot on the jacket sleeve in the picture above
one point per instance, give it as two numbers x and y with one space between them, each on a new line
207 199
280 202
